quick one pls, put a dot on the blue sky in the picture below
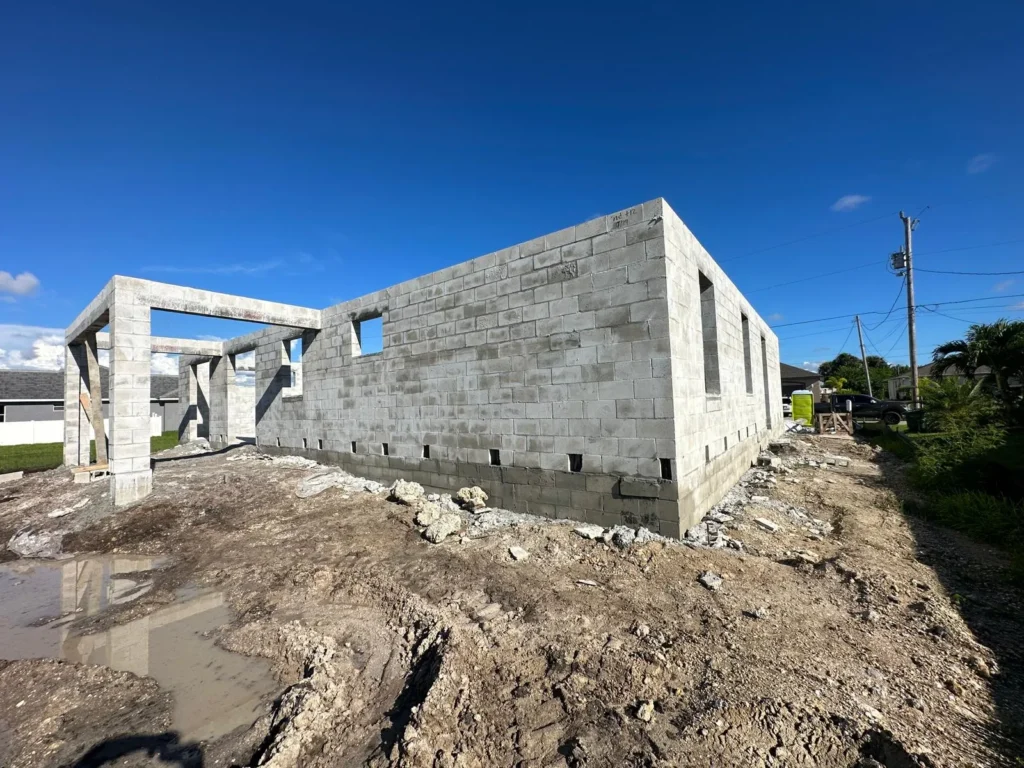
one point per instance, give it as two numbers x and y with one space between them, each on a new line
314 152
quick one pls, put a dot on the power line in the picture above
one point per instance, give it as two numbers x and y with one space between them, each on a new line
981 274
895 343
808 237
972 247
880 312
818 277
903 284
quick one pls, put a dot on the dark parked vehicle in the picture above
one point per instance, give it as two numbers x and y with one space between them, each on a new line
864 407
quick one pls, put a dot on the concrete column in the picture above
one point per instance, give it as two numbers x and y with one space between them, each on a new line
203 399
222 397
132 478
76 422
92 365
188 427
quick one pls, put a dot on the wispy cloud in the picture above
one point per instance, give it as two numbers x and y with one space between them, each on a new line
1003 285
216 269
35 348
849 202
775 317
981 163
811 365
1018 305
24 284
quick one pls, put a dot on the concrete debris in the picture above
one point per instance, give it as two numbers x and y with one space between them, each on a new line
767 460
767 524
640 630
759 499
8 477
442 528
405 492
590 531
427 513
782 445
518 553
293 462
645 536
645 711
711 580
621 536
472 498
36 543
318 483
757 613
67 510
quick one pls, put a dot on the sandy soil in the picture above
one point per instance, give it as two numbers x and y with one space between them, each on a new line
884 642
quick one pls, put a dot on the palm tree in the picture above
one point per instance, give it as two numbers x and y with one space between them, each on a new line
999 345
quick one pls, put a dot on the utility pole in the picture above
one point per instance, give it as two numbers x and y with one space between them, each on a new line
863 356
908 228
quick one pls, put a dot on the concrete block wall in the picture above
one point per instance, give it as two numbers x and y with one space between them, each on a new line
587 341
718 432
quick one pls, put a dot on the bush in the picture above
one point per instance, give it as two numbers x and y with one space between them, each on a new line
994 519
952 462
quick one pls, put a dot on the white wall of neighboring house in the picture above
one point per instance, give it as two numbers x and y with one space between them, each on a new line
52 431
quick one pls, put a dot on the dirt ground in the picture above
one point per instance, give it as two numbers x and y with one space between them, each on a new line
882 642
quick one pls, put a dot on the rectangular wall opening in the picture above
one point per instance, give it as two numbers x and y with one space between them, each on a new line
291 368
279 442
368 335
709 331
748 370
426 451
353 446
666 469
495 457
767 391
384 449
320 444
305 443
575 462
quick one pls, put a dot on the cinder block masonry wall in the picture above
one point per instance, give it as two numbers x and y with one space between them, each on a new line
497 371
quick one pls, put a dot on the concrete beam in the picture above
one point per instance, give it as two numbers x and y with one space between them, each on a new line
192 301
95 316
172 346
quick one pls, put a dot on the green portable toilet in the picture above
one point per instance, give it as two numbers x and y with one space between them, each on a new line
803 407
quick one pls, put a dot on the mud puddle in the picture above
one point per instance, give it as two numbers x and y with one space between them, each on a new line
214 690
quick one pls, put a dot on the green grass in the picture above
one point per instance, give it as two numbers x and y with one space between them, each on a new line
32 458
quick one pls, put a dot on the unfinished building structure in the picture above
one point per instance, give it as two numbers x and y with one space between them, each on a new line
608 372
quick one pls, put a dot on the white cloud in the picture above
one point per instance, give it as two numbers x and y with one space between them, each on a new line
24 284
981 163
217 269
163 364
34 348
849 202
775 317
812 365
1018 305
1003 285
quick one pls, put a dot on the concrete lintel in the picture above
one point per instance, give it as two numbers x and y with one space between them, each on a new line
249 342
193 301
172 346
95 316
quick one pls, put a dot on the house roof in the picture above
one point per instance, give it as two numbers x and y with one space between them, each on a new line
49 386
792 372
926 370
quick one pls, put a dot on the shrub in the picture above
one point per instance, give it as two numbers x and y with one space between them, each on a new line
951 462
993 519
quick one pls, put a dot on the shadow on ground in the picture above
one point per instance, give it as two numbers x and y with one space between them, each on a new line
976 577
168 747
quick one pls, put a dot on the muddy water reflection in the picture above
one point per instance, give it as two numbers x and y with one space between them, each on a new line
214 690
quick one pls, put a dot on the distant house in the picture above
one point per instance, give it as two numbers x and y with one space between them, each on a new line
898 387
39 396
794 378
